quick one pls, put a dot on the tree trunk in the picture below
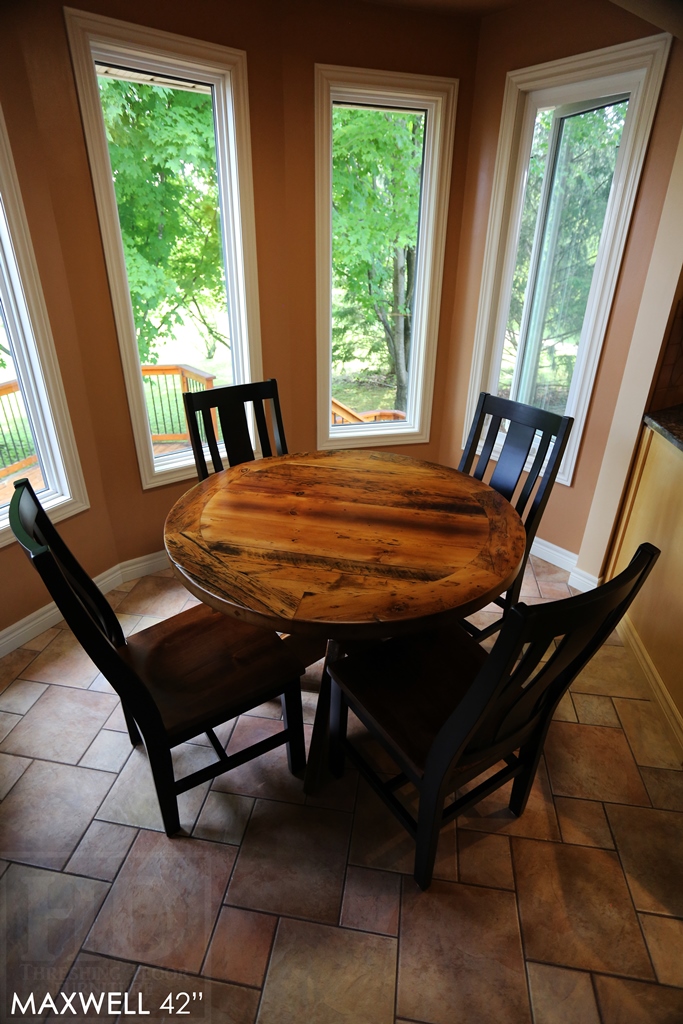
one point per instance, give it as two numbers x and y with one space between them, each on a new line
402 330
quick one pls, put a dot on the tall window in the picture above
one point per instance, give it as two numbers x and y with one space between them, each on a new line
383 144
569 180
168 140
36 440
572 143
377 171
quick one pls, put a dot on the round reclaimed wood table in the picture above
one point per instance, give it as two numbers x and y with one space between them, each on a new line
343 545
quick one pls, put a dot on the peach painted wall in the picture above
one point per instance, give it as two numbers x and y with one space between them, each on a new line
283 40
520 37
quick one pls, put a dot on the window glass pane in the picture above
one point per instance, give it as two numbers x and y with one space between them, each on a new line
377 167
18 448
530 207
553 277
162 147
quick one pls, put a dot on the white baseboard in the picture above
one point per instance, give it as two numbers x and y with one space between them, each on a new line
131 569
630 636
563 559
24 630
583 581
558 556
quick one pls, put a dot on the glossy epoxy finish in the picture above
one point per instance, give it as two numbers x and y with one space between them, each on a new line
345 543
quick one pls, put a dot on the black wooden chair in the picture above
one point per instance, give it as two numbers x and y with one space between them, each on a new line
228 404
447 712
529 496
176 680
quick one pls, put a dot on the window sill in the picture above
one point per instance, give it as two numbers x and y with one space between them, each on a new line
57 505
365 436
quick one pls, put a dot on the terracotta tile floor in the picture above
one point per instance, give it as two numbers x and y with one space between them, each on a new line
285 909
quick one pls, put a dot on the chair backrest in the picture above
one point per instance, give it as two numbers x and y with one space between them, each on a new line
229 404
525 424
513 697
83 605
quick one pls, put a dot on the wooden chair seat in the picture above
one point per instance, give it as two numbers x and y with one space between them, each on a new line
202 668
391 680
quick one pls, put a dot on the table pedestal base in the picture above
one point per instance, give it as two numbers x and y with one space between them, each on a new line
317 767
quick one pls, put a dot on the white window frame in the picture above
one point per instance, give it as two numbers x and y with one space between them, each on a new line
636 68
94 38
35 356
438 96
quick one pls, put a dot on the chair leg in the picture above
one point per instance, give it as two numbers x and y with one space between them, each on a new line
133 731
427 839
294 723
339 714
521 787
161 764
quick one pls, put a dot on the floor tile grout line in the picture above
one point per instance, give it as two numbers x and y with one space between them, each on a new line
664 917
123 860
239 850
225 981
157 967
630 747
653 702
603 973
348 855
612 728
62 686
362 931
479 885
30 760
225 893
522 941
397 977
397 940
269 961
594 989
571 701
89 823
209 788
80 949
64 764
630 893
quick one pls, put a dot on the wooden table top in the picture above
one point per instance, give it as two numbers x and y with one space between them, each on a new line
344 544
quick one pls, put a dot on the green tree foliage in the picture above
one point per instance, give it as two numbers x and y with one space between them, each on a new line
566 242
4 341
163 157
532 198
376 179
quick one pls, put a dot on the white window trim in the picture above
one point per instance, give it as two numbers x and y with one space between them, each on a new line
36 357
636 67
438 96
94 37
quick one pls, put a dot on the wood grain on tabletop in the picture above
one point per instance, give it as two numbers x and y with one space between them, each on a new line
344 543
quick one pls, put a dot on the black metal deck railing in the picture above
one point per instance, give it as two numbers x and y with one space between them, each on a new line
164 387
17 447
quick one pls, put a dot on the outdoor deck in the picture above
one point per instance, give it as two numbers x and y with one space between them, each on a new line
164 388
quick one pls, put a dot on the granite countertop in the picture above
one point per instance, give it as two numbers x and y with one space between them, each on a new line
668 423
